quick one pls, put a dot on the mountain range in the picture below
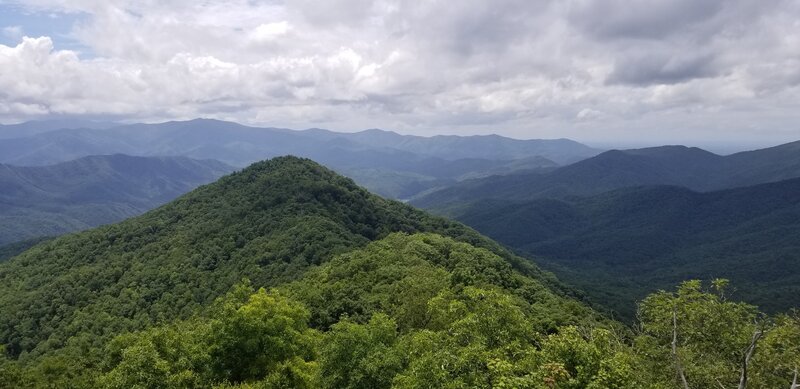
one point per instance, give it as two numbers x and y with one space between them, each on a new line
398 166
51 200
625 223
687 167
287 275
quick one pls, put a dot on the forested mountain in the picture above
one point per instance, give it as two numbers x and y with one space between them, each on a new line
13 249
363 293
393 165
692 168
621 245
52 200
269 223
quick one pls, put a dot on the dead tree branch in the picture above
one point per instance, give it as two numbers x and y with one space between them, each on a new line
678 365
748 353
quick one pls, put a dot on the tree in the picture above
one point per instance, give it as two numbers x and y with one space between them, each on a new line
248 338
360 355
699 338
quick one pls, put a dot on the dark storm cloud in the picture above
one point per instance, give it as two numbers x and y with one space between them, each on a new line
643 19
657 69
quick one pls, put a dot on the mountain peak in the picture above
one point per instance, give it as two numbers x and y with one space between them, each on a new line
268 223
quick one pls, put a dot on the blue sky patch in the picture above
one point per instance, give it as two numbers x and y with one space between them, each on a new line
17 21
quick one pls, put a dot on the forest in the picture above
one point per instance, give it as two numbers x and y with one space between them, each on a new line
420 311
287 275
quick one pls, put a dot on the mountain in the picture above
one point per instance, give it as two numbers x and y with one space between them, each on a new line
90 191
621 245
453 147
285 275
63 300
21 130
393 165
692 168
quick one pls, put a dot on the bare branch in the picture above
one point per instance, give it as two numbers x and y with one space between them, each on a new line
794 381
678 365
747 355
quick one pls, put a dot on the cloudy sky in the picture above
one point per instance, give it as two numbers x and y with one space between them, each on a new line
657 71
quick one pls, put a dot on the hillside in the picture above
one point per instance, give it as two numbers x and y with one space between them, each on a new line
90 191
11 250
286 275
268 223
621 245
390 164
692 168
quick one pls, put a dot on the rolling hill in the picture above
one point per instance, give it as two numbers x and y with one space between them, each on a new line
90 191
621 245
692 168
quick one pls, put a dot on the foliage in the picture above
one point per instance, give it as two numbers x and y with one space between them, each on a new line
269 223
13 249
355 300
622 245
400 273
712 336
263 338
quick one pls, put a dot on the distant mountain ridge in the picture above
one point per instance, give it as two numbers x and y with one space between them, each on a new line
393 165
195 137
52 200
692 168
21 130
454 147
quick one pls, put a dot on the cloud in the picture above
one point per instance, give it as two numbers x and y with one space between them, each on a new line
644 19
662 69
522 68
13 32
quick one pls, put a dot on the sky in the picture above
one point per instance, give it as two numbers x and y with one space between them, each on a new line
710 72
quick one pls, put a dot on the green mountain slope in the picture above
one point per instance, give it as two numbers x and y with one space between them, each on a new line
13 249
268 223
363 293
692 168
621 245
52 200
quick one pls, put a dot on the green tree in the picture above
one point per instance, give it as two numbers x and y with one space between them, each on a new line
697 338
590 358
777 362
249 341
360 355
262 337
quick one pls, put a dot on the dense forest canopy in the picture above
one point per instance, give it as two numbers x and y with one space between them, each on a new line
622 245
286 275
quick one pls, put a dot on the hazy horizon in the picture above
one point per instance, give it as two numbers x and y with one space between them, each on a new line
721 147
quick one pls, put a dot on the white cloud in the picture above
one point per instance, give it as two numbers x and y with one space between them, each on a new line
270 31
12 32
577 68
